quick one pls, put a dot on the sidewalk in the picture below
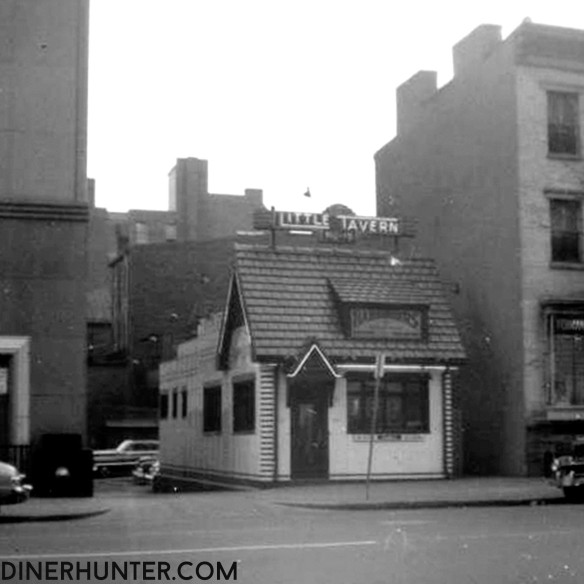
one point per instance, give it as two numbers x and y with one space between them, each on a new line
406 494
419 494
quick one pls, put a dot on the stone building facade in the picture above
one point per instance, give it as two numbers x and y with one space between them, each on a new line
43 220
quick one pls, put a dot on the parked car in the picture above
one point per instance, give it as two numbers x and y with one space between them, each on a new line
12 488
568 471
147 468
123 459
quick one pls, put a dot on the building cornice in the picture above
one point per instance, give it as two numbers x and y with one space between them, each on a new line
29 210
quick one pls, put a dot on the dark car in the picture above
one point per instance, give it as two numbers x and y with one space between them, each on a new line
568 471
123 458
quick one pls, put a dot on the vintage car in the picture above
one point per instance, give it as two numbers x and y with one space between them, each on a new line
123 458
147 468
12 488
567 471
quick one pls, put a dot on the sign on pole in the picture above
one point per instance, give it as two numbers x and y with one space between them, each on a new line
378 374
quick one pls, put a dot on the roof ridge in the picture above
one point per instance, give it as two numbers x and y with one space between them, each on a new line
303 250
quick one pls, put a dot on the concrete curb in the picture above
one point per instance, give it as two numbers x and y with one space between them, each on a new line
22 518
405 505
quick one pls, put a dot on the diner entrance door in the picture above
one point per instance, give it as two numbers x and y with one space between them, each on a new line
309 424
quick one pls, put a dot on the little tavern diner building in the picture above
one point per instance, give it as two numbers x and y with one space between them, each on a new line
282 385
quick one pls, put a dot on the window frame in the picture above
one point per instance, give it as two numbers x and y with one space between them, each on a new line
552 315
556 133
556 199
363 387
243 407
212 408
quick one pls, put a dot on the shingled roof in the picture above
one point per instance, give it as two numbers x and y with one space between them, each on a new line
291 297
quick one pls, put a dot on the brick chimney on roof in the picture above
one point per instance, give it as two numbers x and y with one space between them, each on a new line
474 48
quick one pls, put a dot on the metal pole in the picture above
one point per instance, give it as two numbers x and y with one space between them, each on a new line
378 376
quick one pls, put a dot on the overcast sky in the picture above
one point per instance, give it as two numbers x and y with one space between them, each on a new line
276 94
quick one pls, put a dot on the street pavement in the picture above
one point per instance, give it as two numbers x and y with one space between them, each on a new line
410 494
278 536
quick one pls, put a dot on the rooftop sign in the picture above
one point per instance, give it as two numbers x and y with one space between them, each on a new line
350 224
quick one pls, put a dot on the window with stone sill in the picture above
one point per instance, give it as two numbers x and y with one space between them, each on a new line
563 123
566 358
566 227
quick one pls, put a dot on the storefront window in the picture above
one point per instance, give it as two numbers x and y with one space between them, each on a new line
566 338
402 408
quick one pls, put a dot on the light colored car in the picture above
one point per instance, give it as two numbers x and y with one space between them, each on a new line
12 488
123 458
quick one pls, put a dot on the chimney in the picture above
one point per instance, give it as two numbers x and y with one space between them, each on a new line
468 53
410 96
255 197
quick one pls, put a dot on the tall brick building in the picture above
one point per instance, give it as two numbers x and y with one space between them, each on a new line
43 220
491 165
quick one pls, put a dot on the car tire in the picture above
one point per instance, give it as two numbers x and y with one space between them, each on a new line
573 493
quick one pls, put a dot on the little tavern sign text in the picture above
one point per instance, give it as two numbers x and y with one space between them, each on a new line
316 221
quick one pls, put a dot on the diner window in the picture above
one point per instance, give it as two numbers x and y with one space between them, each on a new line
565 230
402 408
163 406
563 123
185 403
566 340
244 406
212 409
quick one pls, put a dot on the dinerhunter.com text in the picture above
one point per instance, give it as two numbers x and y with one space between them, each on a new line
129 571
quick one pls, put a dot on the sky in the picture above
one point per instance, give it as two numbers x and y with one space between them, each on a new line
280 95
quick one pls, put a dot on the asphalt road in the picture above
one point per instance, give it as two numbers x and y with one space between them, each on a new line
201 536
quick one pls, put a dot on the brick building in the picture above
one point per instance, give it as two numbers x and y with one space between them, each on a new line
43 220
144 272
491 165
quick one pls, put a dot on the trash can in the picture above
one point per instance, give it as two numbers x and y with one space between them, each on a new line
62 467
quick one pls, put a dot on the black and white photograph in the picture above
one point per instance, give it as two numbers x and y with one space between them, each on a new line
291 292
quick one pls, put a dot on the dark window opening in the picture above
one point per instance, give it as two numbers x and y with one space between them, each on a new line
174 404
563 123
565 230
244 406
185 405
402 408
163 406
212 409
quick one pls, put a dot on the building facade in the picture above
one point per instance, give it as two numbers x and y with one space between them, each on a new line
491 166
281 385
43 221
